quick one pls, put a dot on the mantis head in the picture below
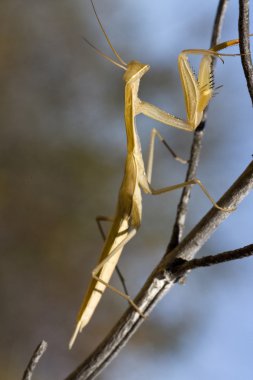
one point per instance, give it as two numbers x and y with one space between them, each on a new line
135 70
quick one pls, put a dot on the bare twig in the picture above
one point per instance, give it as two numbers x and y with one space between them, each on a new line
244 31
182 266
218 22
161 280
182 207
39 351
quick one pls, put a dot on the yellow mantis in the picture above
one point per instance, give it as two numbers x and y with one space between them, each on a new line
197 93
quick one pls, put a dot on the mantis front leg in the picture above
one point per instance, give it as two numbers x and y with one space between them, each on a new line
198 91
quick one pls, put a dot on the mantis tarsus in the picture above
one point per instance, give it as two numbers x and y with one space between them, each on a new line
197 93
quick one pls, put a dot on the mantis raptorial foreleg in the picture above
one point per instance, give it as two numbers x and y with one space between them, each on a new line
102 218
197 91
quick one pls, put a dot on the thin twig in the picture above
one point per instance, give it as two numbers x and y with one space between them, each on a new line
161 281
218 22
244 32
182 266
182 207
36 356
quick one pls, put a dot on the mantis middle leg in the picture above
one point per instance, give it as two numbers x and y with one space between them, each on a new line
194 181
155 133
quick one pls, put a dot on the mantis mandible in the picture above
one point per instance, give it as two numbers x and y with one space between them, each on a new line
197 93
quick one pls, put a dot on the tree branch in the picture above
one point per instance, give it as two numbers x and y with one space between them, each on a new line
181 266
218 22
182 207
36 356
161 281
243 25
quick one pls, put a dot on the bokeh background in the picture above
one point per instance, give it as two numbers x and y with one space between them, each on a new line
62 149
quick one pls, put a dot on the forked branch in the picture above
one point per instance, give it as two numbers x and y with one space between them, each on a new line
161 280
182 266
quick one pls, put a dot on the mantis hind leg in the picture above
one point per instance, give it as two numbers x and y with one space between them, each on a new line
102 218
155 133
99 219
101 265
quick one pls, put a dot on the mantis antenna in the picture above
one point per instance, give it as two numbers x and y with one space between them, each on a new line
106 36
103 54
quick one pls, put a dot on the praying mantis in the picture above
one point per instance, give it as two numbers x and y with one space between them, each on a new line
197 94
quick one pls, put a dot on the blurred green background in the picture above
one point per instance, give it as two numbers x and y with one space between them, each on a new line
62 149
